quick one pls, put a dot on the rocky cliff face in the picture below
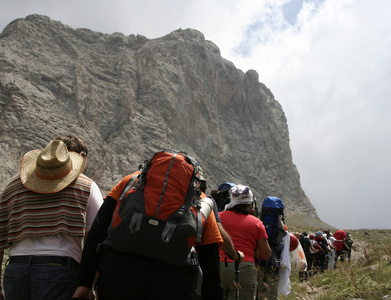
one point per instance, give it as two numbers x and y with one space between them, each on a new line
129 96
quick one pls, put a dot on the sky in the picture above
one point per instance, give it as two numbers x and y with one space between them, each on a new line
327 62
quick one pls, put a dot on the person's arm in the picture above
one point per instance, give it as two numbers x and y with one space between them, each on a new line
95 201
264 249
90 256
1 272
85 237
209 259
228 246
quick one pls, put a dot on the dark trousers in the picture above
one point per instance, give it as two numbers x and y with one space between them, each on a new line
322 261
315 263
340 254
40 280
305 274
130 276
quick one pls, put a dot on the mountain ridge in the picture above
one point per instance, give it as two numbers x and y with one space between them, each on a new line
129 96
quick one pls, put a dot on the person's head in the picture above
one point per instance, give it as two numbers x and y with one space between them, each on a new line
52 169
241 200
74 143
203 186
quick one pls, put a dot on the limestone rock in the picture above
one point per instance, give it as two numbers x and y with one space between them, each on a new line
129 96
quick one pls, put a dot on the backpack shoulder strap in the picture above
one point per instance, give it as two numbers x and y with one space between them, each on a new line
128 185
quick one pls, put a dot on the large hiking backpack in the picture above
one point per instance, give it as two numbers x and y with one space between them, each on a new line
272 217
221 196
156 216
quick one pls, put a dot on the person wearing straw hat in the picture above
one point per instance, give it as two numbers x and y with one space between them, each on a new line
247 233
45 211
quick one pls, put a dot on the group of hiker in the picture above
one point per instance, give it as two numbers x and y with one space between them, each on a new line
324 249
158 234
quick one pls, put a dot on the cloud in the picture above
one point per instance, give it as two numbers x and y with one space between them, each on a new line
330 71
326 61
291 10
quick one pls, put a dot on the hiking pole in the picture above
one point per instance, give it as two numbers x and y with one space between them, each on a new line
237 272
258 270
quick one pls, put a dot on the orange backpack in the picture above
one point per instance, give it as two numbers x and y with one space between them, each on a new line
159 210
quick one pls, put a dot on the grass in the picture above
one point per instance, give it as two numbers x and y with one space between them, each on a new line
306 222
367 276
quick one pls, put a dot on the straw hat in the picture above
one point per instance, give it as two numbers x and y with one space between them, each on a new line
52 169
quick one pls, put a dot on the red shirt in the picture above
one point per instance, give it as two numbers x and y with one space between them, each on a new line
245 231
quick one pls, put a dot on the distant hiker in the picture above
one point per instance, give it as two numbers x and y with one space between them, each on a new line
321 263
227 246
141 255
340 237
45 211
349 244
247 233
331 254
305 244
315 249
